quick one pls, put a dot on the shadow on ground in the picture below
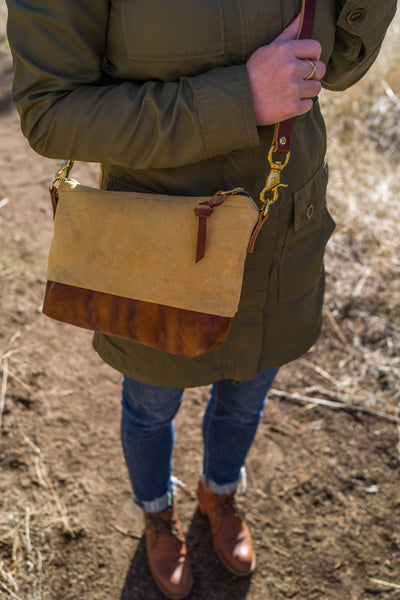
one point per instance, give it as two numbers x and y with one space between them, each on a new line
211 579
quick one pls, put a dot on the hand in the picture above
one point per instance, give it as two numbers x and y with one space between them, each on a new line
278 76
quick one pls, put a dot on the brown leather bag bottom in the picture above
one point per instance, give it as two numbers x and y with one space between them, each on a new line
174 330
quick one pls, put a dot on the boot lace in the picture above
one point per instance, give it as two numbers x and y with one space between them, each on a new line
160 526
227 506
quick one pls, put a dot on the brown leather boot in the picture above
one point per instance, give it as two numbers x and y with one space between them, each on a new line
232 539
167 554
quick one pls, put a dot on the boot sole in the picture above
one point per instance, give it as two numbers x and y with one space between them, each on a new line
221 558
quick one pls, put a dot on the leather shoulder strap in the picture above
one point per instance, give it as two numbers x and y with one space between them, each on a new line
283 130
281 140
307 22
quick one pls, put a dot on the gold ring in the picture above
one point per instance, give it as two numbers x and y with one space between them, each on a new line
313 65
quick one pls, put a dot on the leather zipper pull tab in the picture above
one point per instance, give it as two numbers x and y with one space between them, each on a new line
203 211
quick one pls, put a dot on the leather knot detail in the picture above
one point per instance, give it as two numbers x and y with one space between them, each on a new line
203 211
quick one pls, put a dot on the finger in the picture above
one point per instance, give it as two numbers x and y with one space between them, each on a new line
309 89
306 69
290 33
302 49
305 104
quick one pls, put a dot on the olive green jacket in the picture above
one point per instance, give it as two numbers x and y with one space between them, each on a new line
157 92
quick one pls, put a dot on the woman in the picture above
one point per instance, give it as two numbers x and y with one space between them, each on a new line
180 97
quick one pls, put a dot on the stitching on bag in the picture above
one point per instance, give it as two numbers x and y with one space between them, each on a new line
90 190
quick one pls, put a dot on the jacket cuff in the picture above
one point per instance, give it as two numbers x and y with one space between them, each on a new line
225 109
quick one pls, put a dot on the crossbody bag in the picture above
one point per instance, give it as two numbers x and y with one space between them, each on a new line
160 270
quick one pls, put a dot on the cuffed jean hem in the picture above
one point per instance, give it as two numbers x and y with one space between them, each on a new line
158 505
216 488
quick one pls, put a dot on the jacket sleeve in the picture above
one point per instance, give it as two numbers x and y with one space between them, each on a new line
69 110
361 27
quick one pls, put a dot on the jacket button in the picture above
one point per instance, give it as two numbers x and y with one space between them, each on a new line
310 211
356 16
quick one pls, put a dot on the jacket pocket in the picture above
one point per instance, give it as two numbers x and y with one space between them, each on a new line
174 30
361 30
361 27
302 258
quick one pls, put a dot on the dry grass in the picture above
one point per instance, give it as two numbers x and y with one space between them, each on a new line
33 517
30 514
27 525
3 15
363 258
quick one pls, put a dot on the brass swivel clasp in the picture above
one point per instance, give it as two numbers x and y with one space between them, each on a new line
62 173
273 182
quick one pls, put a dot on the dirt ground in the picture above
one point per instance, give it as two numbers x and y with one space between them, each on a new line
323 493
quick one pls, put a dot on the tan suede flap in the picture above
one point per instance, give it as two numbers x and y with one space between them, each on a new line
143 246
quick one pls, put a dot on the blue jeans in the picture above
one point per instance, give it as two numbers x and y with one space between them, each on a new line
230 423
